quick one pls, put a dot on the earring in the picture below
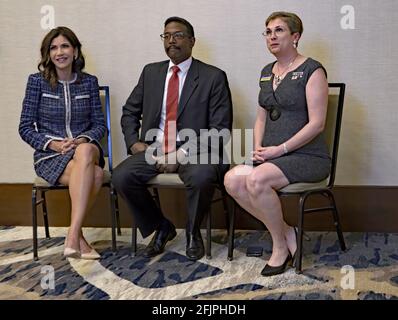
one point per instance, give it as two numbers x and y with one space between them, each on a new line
294 44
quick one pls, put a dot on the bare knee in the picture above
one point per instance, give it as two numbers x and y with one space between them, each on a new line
257 184
234 183
98 176
86 153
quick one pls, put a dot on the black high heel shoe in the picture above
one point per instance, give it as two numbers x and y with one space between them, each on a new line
271 271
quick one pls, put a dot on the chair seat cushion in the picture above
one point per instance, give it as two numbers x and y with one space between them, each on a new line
303 186
166 180
41 183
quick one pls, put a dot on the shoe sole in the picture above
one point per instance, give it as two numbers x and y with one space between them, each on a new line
195 258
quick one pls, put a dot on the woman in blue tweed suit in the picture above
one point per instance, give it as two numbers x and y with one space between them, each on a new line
63 121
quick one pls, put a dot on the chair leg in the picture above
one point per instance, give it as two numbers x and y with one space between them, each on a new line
113 200
208 236
34 223
336 220
45 215
119 231
231 231
134 239
226 211
299 252
156 197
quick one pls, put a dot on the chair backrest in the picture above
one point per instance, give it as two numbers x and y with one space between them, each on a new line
106 141
333 124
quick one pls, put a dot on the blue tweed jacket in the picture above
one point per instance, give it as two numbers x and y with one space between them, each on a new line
72 109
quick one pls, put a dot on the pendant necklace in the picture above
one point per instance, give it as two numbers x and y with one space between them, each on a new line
279 77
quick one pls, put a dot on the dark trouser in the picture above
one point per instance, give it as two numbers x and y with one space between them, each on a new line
131 176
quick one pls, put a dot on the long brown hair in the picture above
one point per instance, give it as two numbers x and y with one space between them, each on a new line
46 66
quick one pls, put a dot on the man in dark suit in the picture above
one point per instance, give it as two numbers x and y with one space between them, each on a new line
202 100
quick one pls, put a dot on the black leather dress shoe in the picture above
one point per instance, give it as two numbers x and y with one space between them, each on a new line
158 242
271 271
195 248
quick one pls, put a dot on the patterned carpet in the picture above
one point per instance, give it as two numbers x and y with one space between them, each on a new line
373 258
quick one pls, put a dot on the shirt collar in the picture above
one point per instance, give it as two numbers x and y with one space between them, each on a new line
184 66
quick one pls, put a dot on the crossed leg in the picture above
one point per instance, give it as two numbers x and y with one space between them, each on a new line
255 191
84 178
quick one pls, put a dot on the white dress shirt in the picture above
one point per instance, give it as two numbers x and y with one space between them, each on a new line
182 75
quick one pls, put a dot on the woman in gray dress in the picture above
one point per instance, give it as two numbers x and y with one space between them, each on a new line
288 140
62 120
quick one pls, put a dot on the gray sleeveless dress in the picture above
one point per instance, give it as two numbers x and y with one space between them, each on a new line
311 162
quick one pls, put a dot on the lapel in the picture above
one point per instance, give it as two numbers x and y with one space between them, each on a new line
190 84
158 88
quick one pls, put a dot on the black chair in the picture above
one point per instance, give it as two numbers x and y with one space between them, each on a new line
323 188
173 181
40 186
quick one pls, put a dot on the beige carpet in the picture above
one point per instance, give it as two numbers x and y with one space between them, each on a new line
368 270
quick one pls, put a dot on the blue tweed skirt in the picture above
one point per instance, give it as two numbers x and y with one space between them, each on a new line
51 169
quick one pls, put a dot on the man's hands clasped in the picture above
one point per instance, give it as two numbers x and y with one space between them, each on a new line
165 163
169 162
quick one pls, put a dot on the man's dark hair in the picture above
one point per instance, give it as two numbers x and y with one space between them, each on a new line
182 21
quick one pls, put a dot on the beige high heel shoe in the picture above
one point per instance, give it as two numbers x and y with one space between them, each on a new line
92 255
70 252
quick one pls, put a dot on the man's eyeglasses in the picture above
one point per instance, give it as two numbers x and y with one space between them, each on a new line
176 35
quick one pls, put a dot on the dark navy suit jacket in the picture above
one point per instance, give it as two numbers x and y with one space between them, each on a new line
205 102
